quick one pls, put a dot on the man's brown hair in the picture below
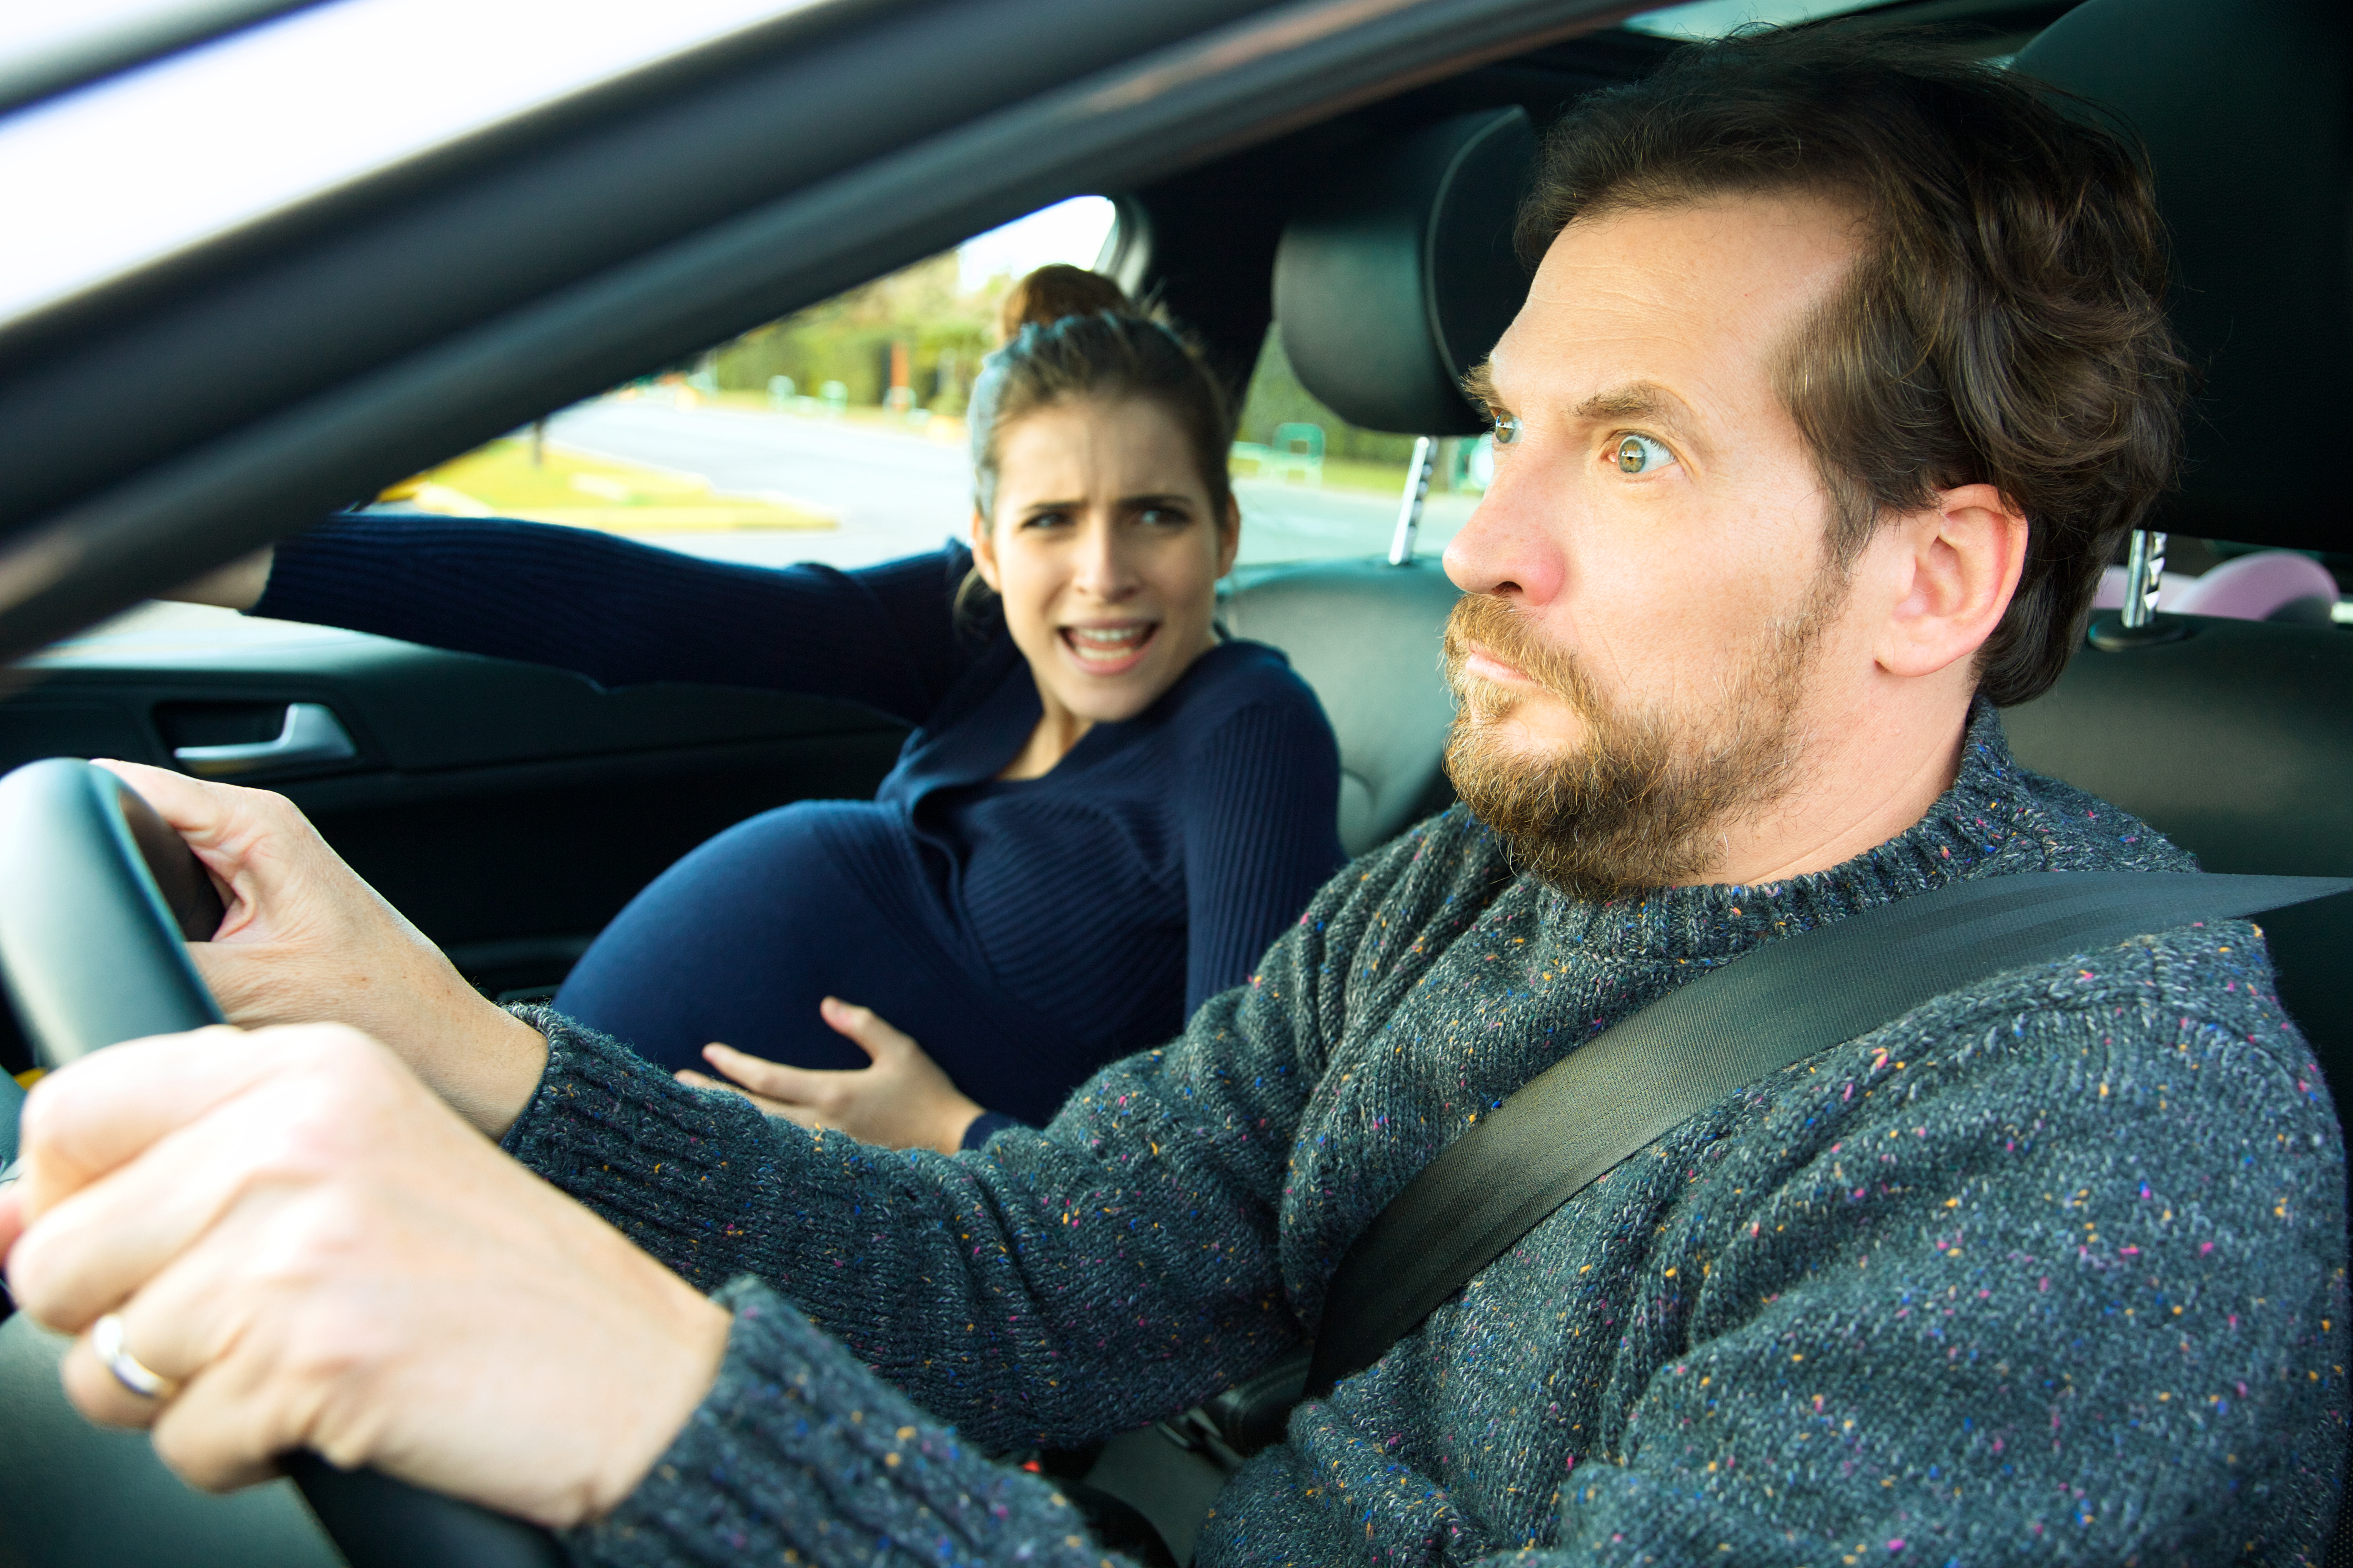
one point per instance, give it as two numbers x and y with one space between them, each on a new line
2004 325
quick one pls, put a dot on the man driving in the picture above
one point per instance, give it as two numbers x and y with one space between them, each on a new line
1843 372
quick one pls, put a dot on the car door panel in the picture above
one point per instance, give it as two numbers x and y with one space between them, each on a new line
508 809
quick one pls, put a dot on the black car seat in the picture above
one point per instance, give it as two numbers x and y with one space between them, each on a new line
1389 286
2237 740
1364 634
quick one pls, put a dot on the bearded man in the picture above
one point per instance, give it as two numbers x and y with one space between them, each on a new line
1843 372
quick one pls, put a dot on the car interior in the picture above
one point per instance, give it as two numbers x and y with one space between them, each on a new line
1363 206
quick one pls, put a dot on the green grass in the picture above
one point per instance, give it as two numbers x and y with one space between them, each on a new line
501 480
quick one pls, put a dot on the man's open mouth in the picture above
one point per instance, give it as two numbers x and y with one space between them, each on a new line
1486 665
1109 650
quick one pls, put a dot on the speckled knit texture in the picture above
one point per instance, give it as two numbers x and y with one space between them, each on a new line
2050 1269
799 1456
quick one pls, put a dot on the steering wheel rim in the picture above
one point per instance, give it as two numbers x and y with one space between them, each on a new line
90 946
97 893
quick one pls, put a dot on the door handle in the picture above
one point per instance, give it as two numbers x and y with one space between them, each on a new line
311 733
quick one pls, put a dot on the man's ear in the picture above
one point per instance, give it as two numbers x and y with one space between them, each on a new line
1956 563
1229 536
983 550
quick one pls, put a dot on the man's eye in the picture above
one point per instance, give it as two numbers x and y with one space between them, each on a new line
1507 431
1163 517
1642 455
1046 519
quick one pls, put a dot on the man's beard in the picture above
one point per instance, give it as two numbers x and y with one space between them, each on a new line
1645 798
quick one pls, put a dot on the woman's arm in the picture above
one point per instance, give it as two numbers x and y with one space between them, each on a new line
1260 819
620 612
236 586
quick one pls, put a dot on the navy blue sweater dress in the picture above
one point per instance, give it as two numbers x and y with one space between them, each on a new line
1024 932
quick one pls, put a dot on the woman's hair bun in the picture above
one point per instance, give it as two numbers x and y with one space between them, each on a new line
1057 290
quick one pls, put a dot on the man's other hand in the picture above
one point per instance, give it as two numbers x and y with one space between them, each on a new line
318 1253
306 940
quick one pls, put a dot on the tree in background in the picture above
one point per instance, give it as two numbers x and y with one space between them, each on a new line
945 329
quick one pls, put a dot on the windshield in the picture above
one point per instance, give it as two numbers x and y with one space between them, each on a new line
222 136
1715 18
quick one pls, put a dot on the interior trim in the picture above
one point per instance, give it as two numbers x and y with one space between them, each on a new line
92 54
1206 96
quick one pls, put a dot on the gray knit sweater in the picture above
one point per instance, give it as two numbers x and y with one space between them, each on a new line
2050 1269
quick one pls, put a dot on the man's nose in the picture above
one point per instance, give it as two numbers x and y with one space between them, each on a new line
1511 545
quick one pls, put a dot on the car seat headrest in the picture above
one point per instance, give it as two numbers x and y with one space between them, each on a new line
2244 106
1399 278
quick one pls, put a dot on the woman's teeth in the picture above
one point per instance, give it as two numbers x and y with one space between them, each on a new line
1095 645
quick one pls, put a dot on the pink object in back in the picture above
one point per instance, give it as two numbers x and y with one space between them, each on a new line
2249 588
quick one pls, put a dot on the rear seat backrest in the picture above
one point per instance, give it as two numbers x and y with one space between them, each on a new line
1364 635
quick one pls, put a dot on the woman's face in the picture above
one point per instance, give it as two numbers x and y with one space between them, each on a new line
1106 553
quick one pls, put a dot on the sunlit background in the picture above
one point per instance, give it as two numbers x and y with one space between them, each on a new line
1071 232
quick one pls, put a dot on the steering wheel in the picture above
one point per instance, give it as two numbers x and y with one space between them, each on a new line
96 894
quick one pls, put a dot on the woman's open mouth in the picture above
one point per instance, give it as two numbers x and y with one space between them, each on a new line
1109 650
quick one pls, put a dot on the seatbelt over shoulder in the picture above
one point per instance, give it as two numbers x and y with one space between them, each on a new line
1757 1015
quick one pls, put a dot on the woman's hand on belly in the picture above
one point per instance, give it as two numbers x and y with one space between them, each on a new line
902 1102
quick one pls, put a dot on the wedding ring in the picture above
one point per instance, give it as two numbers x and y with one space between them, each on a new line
106 1339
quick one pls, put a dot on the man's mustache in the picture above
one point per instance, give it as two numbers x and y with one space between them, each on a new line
1483 623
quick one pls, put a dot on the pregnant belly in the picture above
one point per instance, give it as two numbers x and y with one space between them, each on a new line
740 939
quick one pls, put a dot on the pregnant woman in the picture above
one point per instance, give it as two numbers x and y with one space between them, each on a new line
1105 814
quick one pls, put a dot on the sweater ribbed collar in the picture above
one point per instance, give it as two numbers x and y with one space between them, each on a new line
1990 823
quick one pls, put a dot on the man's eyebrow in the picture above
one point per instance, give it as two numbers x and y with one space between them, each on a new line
1479 386
1636 400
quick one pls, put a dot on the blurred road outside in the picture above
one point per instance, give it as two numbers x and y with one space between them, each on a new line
895 492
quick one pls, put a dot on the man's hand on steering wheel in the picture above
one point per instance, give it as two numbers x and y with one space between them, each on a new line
305 940
315 1253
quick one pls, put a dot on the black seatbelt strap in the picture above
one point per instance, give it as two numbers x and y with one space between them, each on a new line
1773 1008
